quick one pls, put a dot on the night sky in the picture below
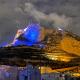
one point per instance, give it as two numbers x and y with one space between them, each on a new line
16 14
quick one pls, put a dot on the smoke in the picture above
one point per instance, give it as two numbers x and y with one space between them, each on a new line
29 8
16 14
53 18
68 8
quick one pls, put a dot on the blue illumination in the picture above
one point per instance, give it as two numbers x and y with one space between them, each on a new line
32 32
19 42
7 74
8 39
30 73
3 44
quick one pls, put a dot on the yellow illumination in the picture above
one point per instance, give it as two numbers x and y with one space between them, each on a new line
76 74
50 70
46 70
59 57
70 45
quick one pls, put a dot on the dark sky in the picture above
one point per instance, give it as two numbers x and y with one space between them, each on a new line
16 14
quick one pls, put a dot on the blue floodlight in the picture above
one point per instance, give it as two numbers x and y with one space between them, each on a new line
31 34
19 42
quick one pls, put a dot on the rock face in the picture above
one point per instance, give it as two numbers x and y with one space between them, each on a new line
70 45
59 46
62 45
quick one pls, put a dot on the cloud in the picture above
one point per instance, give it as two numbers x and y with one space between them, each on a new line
57 20
69 8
